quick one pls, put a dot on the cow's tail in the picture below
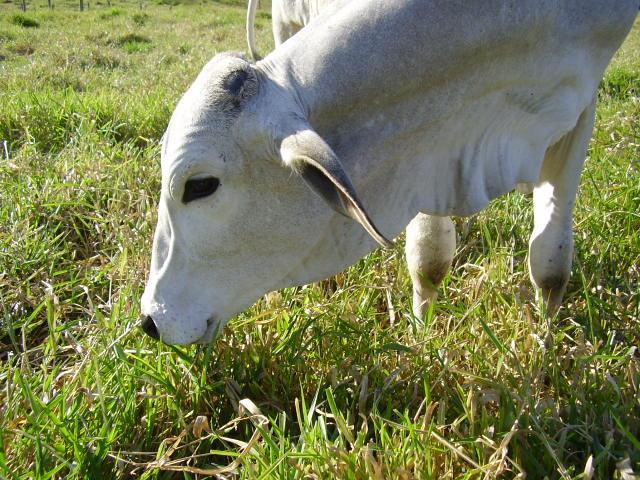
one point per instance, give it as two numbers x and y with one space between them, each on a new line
251 33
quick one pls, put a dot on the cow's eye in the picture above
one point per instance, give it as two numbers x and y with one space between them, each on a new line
199 187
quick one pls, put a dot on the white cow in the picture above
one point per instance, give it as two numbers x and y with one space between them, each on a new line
287 17
432 106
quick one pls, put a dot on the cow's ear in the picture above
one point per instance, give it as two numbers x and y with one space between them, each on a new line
310 156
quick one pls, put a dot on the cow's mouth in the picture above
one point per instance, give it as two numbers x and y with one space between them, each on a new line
212 332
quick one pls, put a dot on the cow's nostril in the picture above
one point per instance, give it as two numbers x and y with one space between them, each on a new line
149 327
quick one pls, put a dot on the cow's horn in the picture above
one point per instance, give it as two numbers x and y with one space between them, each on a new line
310 156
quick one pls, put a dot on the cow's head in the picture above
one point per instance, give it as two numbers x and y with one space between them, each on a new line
237 217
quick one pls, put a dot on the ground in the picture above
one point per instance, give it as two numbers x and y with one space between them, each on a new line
340 380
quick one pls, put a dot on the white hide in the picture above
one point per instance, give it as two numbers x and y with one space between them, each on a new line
287 18
430 105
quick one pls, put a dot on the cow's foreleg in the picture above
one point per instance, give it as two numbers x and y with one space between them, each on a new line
431 243
551 243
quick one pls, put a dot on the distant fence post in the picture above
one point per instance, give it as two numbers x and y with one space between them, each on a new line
50 3
82 5
23 5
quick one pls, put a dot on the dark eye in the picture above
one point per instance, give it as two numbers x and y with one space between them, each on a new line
199 187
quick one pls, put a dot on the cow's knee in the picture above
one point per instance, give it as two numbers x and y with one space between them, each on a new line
430 246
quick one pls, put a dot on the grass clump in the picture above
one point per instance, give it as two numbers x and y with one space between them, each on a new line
63 117
22 48
114 12
140 19
23 21
621 83
100 59
133 43
6 37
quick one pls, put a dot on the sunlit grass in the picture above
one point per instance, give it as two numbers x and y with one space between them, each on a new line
343 382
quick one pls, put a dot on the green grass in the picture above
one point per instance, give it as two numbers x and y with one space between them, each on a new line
342 381
24 21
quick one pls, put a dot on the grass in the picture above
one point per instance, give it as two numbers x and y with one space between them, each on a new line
24 21
331 380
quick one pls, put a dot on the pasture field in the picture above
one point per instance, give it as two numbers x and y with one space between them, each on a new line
341 381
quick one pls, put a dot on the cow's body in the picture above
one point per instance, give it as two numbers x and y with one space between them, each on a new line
468 107
287 18
430 106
